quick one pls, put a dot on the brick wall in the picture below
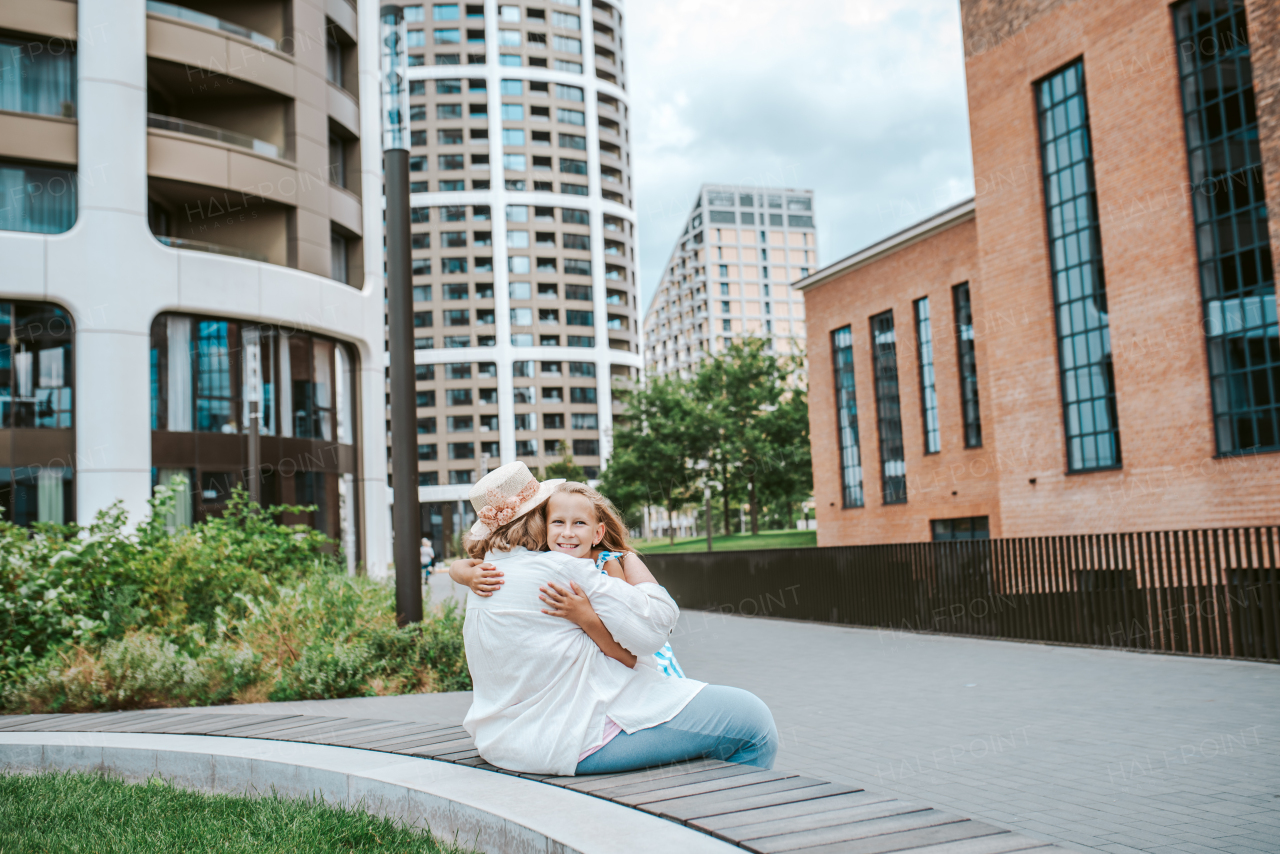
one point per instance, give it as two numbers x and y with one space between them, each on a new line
954 483
1170 477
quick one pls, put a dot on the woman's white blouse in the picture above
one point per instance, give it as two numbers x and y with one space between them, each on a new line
542 688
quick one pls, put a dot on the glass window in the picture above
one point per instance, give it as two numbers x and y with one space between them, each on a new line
573 215
928 390
514 162
215 404
448 87
509 14
38 77
460 423
36 199
586 394
573 167
512 136
427 453
568 93
566 65
457 317
518 290
439 12
578 318
565 21
846 417
1237 273
970 528
968 364
448 36
565 44
893 465
1079 287
571 117
36 366
573 140
509 38
585 421
511 87
582 369
521 317
427 426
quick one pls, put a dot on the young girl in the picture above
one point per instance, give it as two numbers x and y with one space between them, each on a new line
580 522
583 523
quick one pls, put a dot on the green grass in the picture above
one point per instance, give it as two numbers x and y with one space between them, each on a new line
53 813
731 543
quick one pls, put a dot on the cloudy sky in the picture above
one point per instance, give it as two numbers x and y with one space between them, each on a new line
861 100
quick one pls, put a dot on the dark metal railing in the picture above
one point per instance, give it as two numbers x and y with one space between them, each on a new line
1206 592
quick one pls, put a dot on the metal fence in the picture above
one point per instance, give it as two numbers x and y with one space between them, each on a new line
1206 592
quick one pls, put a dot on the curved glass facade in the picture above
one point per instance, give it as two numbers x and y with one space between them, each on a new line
37 444
201 391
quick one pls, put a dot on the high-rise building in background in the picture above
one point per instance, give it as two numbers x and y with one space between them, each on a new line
181 233
523 239
730 276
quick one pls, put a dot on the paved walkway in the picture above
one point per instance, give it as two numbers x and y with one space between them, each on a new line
1095 750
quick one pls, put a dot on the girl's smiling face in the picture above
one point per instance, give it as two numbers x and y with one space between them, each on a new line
572 527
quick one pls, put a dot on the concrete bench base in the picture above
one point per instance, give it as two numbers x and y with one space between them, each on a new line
492 813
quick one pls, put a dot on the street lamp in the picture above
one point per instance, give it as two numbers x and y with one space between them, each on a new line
405 514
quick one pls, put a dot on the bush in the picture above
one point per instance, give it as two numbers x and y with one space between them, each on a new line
234 609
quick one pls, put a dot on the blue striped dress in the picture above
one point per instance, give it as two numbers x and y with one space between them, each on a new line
665 658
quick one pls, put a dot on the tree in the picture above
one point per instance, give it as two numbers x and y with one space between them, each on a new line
741 420
655 453
566 468
742 390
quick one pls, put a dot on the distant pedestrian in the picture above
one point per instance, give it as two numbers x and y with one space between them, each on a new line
427 557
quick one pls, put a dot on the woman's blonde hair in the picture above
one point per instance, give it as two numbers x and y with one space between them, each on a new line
615 537
529 530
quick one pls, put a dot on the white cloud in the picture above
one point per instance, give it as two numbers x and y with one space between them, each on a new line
862 101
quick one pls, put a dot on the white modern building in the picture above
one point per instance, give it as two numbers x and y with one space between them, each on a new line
730 275
524 238
181 235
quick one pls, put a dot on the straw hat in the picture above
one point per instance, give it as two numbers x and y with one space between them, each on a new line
505 494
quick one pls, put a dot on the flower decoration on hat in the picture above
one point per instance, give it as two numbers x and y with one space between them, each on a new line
500 509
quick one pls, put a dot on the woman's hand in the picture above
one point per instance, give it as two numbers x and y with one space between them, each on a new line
484 579
573 605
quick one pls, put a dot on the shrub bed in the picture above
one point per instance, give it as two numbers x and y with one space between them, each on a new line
234 609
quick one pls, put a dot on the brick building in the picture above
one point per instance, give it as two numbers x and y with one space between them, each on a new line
1090 344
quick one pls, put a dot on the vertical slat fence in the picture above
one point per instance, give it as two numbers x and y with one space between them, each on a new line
1199 592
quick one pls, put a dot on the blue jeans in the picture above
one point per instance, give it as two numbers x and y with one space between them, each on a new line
720 723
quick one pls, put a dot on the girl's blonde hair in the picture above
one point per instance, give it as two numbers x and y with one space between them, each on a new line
615 537
529 530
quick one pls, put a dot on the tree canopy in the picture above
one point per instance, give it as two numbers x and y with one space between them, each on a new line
742 420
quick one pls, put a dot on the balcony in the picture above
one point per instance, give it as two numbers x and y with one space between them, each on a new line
213 22
205 246
212 49
231 137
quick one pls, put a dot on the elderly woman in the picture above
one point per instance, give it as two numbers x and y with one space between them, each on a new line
547 699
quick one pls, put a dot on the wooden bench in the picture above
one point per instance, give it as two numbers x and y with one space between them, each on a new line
768 812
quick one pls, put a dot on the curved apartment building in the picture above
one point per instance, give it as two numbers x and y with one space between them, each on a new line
523 235
181 232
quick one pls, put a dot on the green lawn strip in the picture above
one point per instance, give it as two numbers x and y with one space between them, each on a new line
70 813
731 543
